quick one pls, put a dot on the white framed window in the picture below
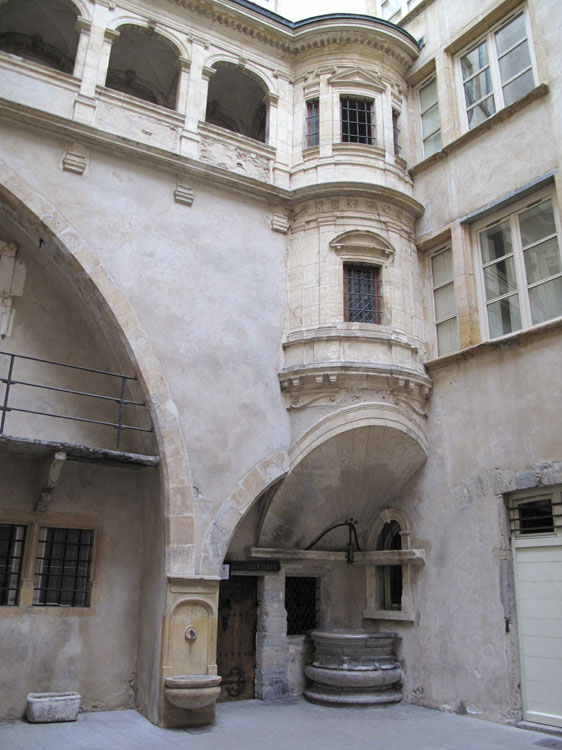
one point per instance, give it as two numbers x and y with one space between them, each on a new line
521 267
444 302
429 117
498 69
394 10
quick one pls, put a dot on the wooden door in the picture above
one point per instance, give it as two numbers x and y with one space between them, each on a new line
236 642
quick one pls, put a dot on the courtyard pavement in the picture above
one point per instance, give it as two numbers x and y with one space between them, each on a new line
288 725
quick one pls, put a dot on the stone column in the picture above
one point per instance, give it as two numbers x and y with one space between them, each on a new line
94 72
84 28
195 98
271 638
183 85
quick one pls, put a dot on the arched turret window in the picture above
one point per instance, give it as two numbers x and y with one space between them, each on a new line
145 65
237 102
391 575
43 31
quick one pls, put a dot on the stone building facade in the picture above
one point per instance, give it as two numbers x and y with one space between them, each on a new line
308 276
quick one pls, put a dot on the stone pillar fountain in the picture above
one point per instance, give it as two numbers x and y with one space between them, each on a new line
354 668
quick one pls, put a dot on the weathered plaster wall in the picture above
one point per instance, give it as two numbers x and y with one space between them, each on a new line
458 654
176 265
92 650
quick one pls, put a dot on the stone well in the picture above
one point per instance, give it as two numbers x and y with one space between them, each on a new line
354 668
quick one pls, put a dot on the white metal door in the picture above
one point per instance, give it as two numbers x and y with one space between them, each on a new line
538 574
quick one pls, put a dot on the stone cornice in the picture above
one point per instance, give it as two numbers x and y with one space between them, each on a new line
126 148
296 37
358 190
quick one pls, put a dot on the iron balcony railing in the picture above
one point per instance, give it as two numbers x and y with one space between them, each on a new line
11 382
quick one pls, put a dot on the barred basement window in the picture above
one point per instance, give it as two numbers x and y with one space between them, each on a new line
62 575
300 603
536 515
357 121
362 294
312 123
12 539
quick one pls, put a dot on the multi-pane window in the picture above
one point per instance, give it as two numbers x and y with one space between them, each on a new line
362 294
391 9
430 120
312 123
497 71
62 574
521 269
357 121
12 539
444 304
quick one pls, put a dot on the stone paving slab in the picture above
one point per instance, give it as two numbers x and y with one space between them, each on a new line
289 725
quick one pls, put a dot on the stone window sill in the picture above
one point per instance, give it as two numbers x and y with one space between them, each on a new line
388 614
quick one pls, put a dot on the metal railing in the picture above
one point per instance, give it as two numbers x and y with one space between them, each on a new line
11 381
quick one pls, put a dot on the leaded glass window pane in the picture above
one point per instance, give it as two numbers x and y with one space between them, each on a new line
496 242
432 144
481 112
510 34
515 61
442 267
447 337
537 222
518 87
546 300
542 260
474 60
504 316
500 278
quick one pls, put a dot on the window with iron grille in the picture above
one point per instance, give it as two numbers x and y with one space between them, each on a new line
12 539
312 123
62 576
362 294
300 603
357 121
538 514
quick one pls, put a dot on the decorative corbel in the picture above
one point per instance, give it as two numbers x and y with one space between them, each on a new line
52 470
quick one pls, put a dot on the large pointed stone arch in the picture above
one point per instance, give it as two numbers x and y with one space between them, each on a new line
81 265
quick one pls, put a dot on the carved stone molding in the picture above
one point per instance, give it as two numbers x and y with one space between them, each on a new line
334 384
183 192
75 158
